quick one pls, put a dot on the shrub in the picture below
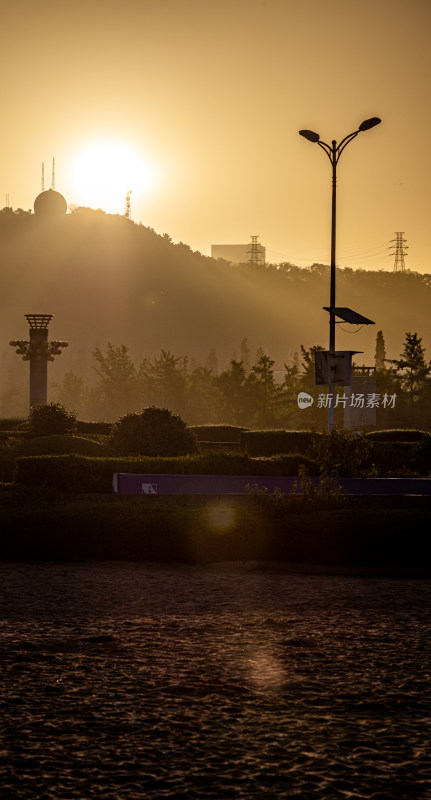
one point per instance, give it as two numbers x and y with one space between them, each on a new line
48 419
153 432
343 453
421 454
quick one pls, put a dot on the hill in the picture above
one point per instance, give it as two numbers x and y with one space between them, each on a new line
106 278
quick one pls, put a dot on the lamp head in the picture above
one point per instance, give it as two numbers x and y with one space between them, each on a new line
310 135
369 123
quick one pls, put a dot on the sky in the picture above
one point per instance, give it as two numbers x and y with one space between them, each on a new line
195 106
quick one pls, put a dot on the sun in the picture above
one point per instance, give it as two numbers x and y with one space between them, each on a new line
103 171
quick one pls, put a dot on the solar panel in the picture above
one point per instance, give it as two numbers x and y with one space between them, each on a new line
347 315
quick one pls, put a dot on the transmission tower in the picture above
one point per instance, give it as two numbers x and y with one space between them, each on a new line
254 251
53 175
42 183
397 249
128 211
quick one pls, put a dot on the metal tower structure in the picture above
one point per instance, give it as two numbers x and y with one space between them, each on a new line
128 208
38 351
53 175
397 249
253 251
42 183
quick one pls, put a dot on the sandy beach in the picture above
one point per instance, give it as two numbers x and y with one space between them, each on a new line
125 680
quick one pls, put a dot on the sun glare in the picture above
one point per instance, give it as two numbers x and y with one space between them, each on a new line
104 171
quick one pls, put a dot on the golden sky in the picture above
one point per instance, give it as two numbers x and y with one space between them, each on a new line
207 96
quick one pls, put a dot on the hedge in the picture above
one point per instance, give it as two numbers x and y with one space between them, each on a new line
395 435
81 474
269 443
218 433
10 423
393 456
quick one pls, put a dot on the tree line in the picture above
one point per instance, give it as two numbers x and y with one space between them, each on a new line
249 391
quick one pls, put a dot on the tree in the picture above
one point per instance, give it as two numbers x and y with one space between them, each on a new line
380 354
118 387
232 389
413 374
153 432
263 391
71 393
164 381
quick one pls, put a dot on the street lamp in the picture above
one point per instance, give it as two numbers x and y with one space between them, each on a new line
333 152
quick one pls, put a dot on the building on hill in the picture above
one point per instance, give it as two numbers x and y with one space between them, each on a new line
253 253
50 204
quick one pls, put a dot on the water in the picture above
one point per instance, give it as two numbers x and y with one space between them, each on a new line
125 681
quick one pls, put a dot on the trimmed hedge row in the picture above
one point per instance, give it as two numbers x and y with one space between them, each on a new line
81 474
10 424
395 435
269 443
218 433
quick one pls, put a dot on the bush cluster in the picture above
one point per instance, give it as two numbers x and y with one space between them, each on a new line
153 432
48 419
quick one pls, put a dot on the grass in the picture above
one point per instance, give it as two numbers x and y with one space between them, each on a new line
47 525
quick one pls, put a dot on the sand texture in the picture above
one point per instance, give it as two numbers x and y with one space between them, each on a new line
123 681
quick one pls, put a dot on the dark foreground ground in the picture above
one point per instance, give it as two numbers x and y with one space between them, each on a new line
126 681
374 534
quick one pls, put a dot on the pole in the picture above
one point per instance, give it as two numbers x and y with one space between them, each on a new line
331 407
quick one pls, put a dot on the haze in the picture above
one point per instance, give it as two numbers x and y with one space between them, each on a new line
211 96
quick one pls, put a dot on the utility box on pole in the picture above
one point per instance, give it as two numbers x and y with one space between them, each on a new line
333 368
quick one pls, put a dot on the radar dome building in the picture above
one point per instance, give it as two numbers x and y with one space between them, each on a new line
50 204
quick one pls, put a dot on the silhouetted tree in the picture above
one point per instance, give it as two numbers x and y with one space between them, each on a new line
233 394
117 388
380 354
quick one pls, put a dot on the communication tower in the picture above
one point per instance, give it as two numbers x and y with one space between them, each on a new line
397 249
53 175
128 210
42 183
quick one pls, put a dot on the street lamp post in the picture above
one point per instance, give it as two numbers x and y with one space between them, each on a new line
333 151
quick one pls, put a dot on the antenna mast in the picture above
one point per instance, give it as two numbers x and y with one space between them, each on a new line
42 183
128 209
53 175
398 249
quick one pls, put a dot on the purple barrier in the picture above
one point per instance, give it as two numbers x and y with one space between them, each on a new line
127 483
